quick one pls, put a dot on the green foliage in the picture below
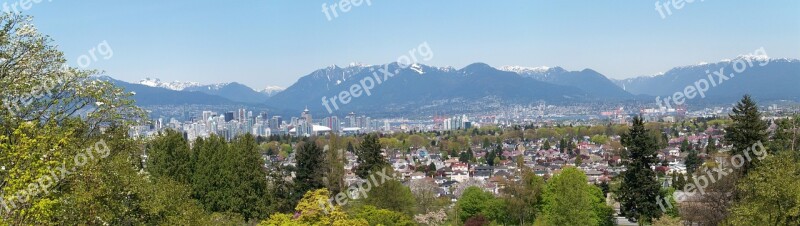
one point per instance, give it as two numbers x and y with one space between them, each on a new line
391 195
639 185
770 193
475 202
369 156
228 176
692 161
745 130
523 198
310 212
376 216
168 155
310 169
568 200
787 136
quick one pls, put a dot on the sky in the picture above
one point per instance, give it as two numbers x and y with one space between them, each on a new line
263 43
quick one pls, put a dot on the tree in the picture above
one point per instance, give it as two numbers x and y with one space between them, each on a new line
228 177
524 197
310 212
169 156
639 185
711 148
334 175
475 202
376 216
770 193
546 145
48 114
369 156
568 200
310 168
786 136
392 195
250 183
603 212
746 130
425 193
692 161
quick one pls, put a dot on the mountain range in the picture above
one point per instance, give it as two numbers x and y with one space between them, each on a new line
420 88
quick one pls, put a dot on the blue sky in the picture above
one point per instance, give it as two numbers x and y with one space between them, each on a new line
262 43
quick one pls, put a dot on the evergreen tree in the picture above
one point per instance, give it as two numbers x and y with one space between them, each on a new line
369 156
639 185
692 161
310 169
168 156
250 185
546 145
746 130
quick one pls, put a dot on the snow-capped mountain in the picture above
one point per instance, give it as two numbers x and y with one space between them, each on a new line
272 90
174 85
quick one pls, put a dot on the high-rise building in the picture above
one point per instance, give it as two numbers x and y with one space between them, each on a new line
333 123
228 116
275 123
242 115
350 120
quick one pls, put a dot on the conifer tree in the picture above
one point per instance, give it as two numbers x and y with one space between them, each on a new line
639 185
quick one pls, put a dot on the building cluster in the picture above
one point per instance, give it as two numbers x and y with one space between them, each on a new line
233 123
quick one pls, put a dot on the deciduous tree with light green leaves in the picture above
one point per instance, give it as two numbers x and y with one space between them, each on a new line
568 200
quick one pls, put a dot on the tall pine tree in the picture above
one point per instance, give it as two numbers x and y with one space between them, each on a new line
369 157
310 169
746 130
639 188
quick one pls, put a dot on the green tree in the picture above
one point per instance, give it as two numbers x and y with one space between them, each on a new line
692 161
476 202
168 155
369 156
392 195
639 185
524 197
310 212
334 176
711 148
249 183
48 114
770 193
787 135
310 168
746 130
546 145
568 200
376 216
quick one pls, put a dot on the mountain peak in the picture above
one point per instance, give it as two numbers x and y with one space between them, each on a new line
174 85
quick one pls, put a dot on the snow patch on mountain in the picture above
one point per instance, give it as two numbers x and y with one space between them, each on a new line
174 85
